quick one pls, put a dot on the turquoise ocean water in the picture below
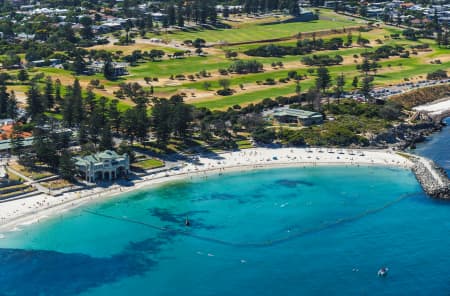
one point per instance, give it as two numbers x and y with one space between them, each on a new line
305 231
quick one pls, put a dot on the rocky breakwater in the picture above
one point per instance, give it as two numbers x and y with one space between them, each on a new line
433 178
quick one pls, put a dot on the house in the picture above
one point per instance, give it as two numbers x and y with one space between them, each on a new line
234 8
332 4
158 16
7 121
407 5
7 129
306 16
109 26
25 37
45 63
374 11
6 145
106 165
294 116
419 22
120 69
26 7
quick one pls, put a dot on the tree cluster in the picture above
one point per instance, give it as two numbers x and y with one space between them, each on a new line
244 67
303 47
322 60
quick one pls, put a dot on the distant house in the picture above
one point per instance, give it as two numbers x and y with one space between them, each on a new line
158 16
332 4
45 63
7 127
407 5
6 121
294 116
120 69
234 8
374 11
419 22
106 165
5 145
156 40
25 37
26 7
306 16
109 27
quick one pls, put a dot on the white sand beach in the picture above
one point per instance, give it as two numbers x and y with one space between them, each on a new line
17 214
435 108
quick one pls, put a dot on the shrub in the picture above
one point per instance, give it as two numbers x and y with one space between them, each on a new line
437 75
206 85
405 54
95 82
270 81
292 75
223 72
303 47
225 92
263 135
322 60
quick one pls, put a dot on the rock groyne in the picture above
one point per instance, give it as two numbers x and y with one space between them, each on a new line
432 177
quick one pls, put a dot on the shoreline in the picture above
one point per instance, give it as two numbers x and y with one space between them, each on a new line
24 212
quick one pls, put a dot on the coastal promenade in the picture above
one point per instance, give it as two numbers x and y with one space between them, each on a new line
17 213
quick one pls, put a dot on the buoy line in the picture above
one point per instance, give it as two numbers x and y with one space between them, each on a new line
266 243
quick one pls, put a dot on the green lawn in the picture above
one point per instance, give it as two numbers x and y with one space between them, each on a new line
246 98
212 63
244 144
399 68
188 65
293 42
33 173
255 32
409 67
252 78
149 164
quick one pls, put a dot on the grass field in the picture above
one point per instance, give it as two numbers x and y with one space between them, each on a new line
260 31
33 173
148 164
394 69
410 68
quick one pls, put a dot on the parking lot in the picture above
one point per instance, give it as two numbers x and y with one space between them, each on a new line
385 92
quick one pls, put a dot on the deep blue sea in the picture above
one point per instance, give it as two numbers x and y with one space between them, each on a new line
437 147
306 231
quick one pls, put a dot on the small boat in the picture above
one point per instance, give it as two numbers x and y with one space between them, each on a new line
383 272
187 222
